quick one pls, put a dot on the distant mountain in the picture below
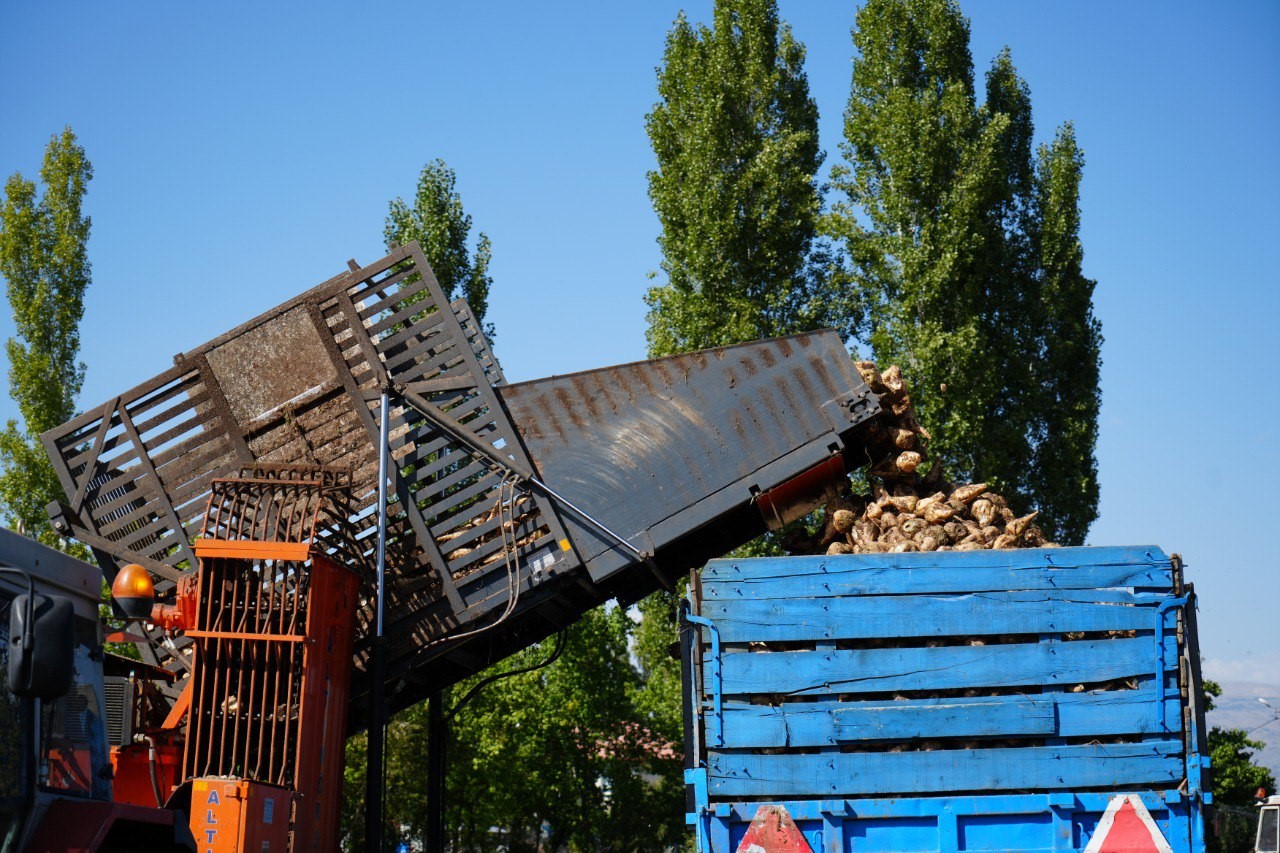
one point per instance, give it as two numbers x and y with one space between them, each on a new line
1238 708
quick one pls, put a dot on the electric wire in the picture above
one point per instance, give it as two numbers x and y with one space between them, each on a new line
561 638
508 499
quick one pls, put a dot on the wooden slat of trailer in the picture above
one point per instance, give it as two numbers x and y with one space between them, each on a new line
829 577
139 393
191 497
426 467
444 514
424 449
471 410
815 673
470 466
392 337
181 473
972 614
125 477
436 496
146 537
1095 713
408 505
470 534
424 341
402 313
378 285
422 319
380 295
473 561
179 459
1114 765
418 360
195 428
182 408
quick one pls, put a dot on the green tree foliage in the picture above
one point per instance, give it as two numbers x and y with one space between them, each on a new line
556 754
735 135
44 260
1235 776
437 220
965 260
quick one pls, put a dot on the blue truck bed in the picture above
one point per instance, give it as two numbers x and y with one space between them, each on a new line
985 700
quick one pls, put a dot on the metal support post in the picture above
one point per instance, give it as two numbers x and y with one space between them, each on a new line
375 772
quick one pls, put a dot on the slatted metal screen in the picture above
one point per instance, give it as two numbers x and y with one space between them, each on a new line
299 385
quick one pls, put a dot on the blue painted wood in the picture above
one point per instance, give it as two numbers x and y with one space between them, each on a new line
1031 823
813 673
1117 765
1034 715
815 724
875 808
951 571
1081 557
971 614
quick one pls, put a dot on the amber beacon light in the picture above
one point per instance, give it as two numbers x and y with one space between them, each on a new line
133 593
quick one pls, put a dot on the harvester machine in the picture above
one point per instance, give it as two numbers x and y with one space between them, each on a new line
244 481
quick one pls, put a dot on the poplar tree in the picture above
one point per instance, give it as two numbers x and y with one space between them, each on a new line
442 227
735 136
965 260
45 264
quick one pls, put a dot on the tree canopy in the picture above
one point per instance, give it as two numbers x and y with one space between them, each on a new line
735 135
44 259
556 755
964 259
440 224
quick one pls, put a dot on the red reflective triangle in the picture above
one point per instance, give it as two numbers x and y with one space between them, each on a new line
1127 827
773 831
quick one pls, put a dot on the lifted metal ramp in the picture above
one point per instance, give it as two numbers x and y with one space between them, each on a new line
673 457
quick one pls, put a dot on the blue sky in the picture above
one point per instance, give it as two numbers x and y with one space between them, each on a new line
243 152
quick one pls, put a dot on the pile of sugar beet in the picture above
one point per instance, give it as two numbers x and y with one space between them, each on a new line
908 510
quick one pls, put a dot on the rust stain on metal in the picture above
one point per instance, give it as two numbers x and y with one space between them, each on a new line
801 377
819 369
567 407
585 396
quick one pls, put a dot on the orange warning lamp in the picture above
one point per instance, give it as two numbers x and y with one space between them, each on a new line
133 593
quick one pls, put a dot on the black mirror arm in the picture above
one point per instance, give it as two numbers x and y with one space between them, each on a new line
28 629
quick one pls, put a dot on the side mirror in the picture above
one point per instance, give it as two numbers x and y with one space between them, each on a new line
42 652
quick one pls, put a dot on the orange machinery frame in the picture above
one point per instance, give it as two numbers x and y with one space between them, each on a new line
273 624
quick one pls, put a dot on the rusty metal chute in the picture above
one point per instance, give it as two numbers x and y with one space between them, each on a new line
589 486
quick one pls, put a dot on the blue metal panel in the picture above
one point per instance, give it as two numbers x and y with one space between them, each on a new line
1026 822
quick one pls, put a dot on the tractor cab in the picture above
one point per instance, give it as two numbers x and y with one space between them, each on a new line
57 774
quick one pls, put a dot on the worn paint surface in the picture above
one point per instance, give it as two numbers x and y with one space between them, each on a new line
908 702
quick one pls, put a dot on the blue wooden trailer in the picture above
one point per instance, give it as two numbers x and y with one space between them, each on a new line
987 700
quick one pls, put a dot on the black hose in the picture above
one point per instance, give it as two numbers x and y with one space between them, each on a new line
151 766
471 694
